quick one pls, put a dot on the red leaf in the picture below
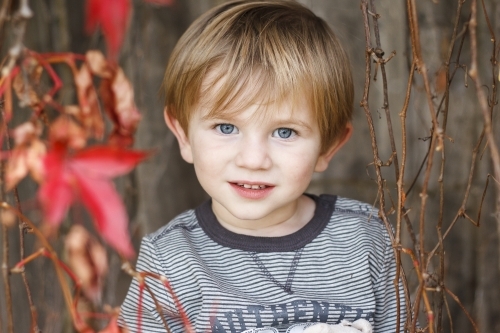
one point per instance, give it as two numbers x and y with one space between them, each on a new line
112 16
160 2
106 162
56 193
86 175
93 15
107 209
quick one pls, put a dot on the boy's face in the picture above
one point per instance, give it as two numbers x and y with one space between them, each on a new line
255 167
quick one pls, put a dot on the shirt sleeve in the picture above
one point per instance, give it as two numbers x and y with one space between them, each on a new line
386 300
150 318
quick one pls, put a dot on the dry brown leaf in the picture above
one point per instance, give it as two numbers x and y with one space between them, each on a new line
126 109
88 260
26 82
88 112
118 98
36 155
117 95
67 131
98 64
27 155
27 132
25 158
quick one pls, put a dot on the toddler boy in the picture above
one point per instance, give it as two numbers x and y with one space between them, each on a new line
259 95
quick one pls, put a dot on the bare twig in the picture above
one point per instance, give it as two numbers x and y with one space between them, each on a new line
79 324
22 230
443 161
456 299
5 238
485 107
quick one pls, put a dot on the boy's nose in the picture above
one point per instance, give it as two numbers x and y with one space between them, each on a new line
253 154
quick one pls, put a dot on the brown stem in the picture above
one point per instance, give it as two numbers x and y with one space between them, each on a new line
463 309
483 103
68 298
474 152
5 236
461 210
158 308
401 212
22 231
369 51
448 313
364 103
397 242
442 168
127 268
423 292
417 54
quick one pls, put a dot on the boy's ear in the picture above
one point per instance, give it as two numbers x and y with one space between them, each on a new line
324 159
176 128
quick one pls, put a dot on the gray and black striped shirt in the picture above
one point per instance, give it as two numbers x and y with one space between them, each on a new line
340 265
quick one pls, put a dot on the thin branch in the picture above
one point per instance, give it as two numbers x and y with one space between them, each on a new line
22 230
439 225
456 299
485 107
5 239
79 325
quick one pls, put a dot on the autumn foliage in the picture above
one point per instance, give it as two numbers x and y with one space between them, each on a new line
53 146
73 151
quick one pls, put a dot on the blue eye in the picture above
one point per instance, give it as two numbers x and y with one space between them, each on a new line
227 129
283 133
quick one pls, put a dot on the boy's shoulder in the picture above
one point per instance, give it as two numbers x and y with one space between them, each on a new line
347 206
186 220
353 206
353 214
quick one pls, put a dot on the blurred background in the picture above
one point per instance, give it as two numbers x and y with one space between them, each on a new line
165 185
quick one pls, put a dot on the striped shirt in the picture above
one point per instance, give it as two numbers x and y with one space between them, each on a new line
340 265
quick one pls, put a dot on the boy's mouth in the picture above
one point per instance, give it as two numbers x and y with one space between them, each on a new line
252 190
252 186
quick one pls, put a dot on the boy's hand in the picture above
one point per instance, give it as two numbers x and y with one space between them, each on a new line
358 326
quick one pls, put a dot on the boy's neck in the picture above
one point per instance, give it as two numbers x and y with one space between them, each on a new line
283 222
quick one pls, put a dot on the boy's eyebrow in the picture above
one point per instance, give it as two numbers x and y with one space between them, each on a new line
294 122
218 117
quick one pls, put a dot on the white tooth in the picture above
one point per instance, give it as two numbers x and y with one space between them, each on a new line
255 187
247 186
262 186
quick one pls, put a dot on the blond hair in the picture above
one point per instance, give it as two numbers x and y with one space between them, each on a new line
281 47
